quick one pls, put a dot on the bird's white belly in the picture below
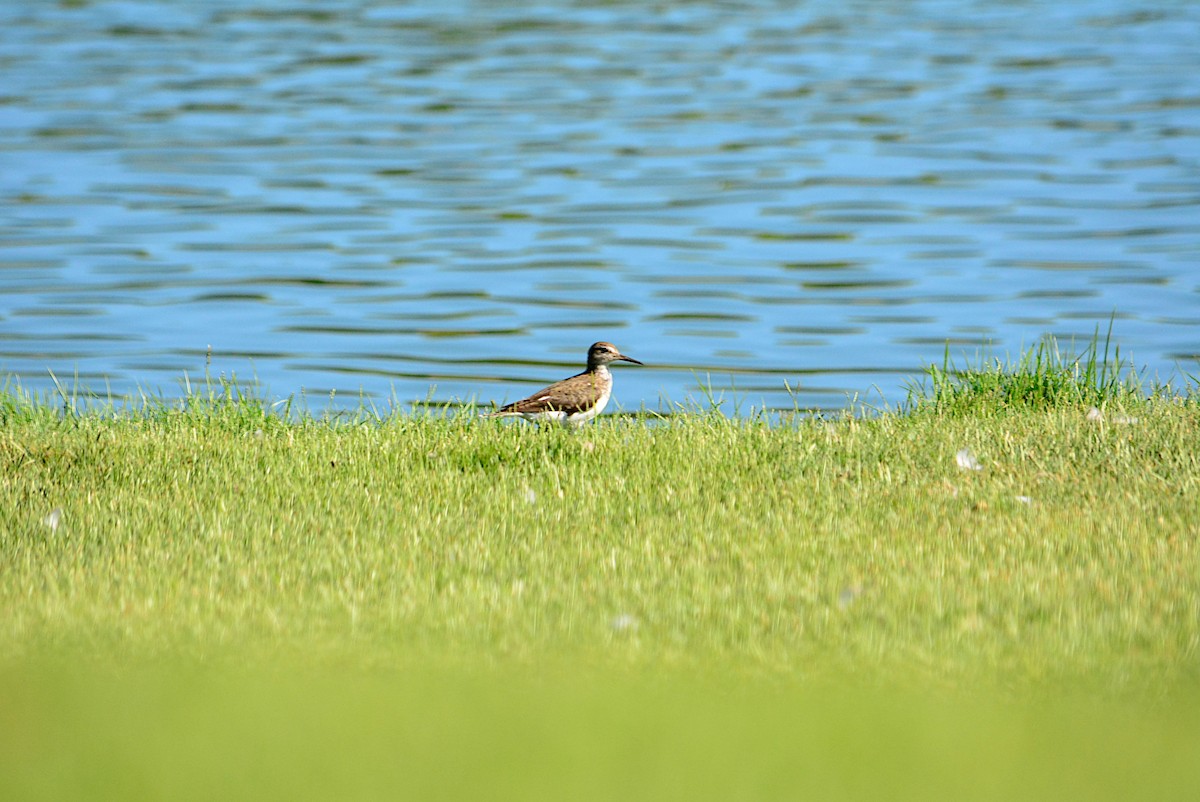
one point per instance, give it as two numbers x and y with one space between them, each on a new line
556 415
580 418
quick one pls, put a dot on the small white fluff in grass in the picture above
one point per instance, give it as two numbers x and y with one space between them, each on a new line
966 460
53 519
624 623
1096 416
1025 499
530 496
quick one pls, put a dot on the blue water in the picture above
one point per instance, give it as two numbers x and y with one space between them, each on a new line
451 201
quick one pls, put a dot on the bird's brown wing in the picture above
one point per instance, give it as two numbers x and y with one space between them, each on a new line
569 395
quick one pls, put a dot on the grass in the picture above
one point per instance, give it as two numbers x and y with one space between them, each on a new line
1044 377
207 599
189 733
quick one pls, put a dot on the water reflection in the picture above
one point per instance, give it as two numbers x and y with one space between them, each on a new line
461 195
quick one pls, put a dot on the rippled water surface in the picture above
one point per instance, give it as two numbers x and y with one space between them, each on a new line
453 200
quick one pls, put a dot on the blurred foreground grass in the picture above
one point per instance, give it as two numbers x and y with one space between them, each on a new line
182 731
210 601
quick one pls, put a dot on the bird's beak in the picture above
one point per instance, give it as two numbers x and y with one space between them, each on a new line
631 359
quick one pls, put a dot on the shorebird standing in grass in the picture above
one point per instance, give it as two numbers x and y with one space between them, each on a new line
573 401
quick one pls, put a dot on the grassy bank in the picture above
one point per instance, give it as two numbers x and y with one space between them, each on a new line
1013 584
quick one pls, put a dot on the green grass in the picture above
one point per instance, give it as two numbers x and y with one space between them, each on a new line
206 599
194 733
1044 377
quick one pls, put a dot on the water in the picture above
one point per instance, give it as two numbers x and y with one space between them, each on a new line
453 200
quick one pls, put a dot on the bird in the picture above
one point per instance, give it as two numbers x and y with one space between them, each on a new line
575 400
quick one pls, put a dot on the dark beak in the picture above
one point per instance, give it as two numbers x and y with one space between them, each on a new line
631 359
